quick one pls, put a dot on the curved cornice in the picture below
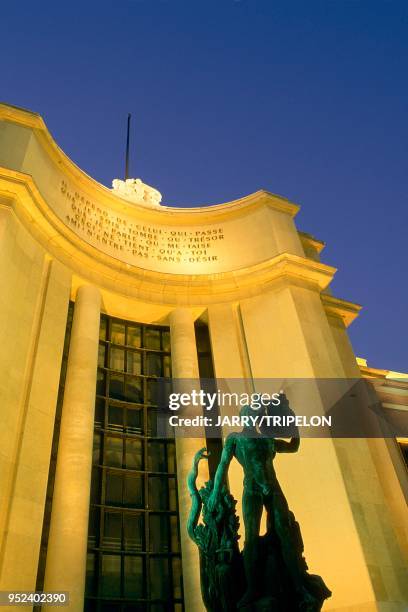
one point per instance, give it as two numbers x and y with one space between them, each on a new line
19 191
165 214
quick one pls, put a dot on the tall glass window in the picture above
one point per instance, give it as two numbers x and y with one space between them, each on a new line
134 560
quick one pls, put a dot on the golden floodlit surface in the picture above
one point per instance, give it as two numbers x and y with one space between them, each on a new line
246 271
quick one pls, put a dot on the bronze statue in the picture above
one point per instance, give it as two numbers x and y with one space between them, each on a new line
217 541
274 567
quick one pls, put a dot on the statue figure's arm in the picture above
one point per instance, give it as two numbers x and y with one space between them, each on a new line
195 496
282 446
226 456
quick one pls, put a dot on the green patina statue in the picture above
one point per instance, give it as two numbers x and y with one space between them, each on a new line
217 541
271 573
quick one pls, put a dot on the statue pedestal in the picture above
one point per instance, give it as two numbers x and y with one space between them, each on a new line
275 588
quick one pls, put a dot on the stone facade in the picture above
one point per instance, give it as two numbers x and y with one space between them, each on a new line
255 279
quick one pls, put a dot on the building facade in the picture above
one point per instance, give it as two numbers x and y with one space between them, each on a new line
105 291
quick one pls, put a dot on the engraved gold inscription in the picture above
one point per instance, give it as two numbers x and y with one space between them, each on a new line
145 242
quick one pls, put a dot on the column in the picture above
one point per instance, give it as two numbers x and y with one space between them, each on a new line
185 366
233 376
26 498
288 337
67 545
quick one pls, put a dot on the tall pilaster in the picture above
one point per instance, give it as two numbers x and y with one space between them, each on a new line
288 337
185 368
67 545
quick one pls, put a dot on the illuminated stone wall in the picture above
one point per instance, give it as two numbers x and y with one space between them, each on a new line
258 282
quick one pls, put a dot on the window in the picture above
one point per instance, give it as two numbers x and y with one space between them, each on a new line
117 332
117 359
151 338
159 533
101 355
134 335
133 362
112 531
404 451
156 456
111 575
154 364
133 558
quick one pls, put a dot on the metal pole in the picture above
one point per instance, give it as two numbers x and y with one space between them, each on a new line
127 148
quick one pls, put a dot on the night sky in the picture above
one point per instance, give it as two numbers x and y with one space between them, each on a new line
305 99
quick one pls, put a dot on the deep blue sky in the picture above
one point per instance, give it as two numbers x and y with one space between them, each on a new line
306 99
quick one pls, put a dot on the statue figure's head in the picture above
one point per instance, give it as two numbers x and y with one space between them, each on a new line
249 411
246 411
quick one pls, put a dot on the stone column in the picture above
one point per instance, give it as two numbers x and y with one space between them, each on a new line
288 338
67 545
185 366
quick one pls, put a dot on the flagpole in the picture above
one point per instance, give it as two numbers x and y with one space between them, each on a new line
127 148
